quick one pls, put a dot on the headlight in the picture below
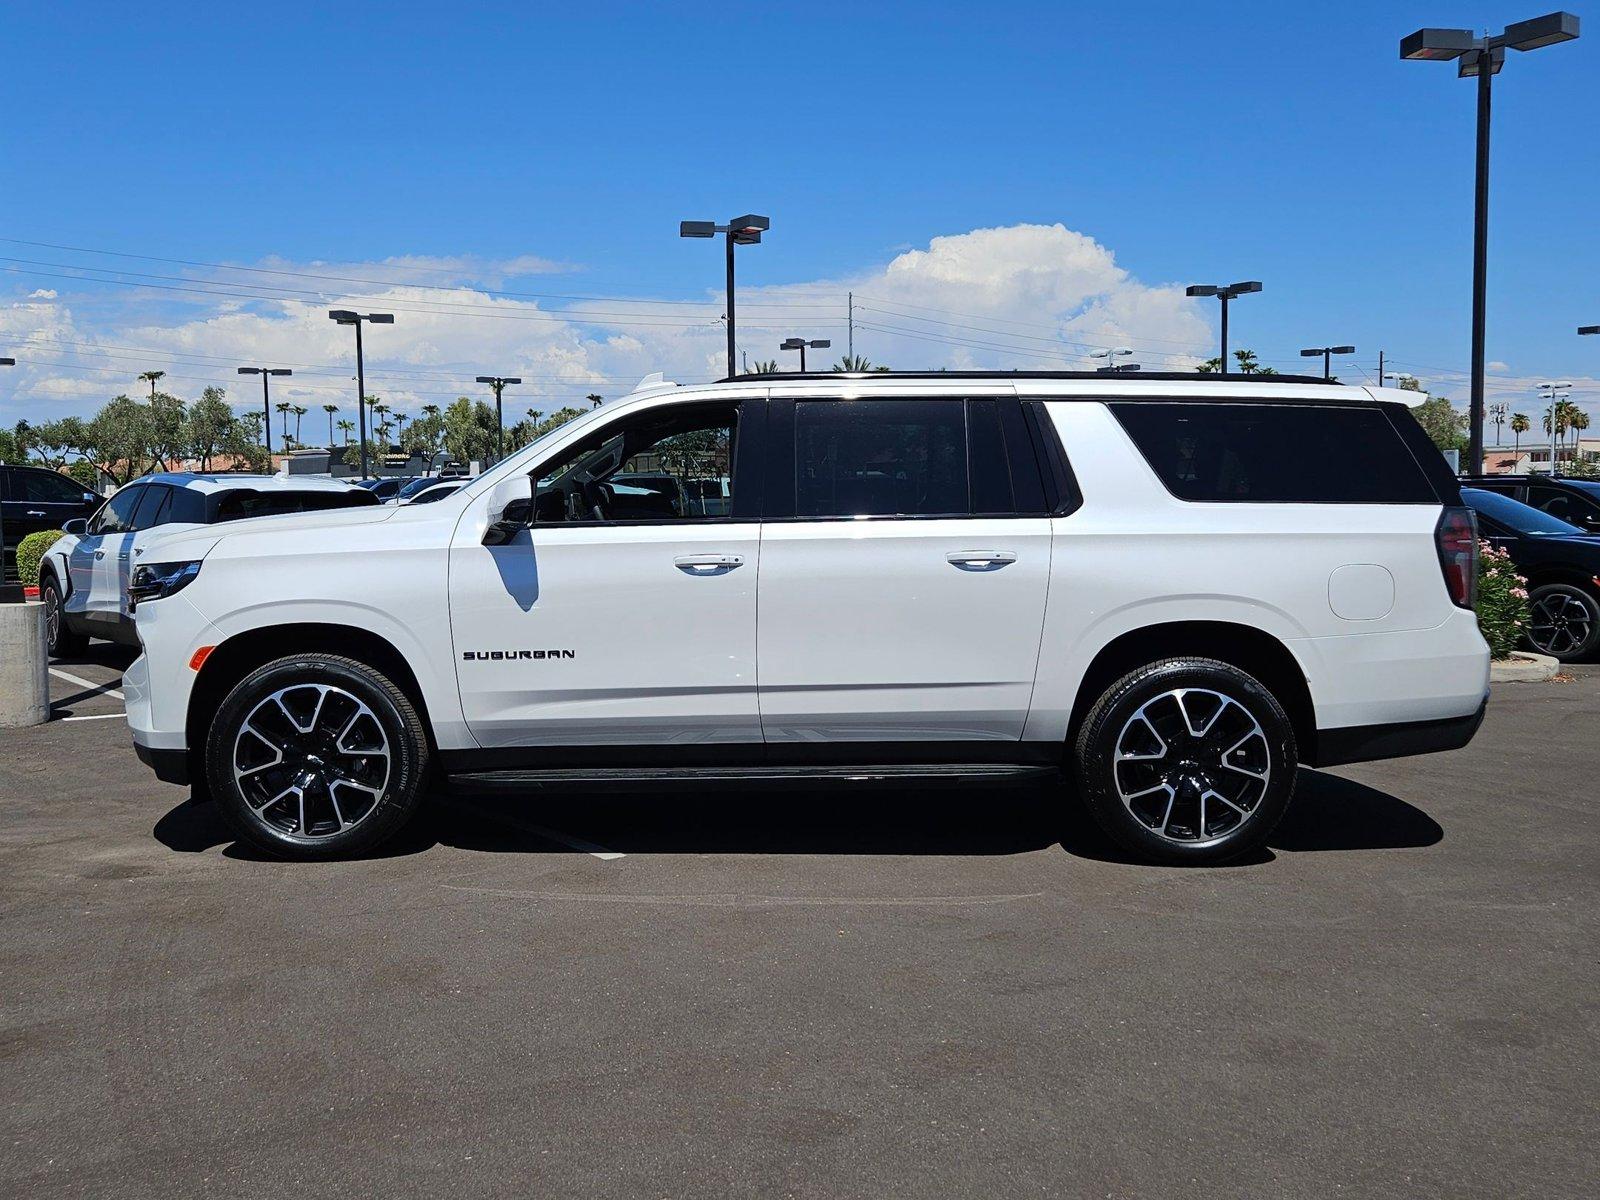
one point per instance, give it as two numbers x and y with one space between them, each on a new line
152 581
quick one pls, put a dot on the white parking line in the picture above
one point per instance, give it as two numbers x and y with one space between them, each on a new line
96 717
99 689
554 835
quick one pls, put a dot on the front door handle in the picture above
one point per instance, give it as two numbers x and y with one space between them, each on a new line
979 560
99 553
707 564
35 513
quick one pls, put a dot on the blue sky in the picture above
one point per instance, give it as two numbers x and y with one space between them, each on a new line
1194 143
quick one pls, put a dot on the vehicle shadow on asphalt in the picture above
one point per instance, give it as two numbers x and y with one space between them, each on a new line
1329 813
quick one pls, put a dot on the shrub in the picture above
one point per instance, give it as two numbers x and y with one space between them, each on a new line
1502 601
30 551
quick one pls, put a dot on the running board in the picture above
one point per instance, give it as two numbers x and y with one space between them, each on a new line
632 778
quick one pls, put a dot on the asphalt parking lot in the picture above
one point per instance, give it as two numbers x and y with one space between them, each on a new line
857 992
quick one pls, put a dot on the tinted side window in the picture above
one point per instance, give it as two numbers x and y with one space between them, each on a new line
1566 505
1276 453
153 508
188 507
880 458
117 515
46 487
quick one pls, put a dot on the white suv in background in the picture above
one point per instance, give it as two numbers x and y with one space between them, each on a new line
1172 590
83 577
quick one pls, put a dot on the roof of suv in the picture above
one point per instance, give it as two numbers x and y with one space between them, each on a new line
1002 376
229 481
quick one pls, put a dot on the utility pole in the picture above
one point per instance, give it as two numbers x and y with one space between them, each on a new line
1380 368
850 317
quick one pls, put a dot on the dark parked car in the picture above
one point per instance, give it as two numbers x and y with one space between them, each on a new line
1562 564
35 499
386 489
1576 501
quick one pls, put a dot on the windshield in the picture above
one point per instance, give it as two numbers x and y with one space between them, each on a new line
1521 517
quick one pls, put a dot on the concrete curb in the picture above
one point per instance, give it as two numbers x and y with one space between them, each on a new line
24 667
1524 667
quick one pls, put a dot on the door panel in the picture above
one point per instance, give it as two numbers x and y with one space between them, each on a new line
900 630
607 635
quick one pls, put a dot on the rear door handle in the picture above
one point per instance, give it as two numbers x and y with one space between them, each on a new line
707 564
980 560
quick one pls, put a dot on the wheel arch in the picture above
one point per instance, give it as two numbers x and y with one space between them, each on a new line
1253 651
242 653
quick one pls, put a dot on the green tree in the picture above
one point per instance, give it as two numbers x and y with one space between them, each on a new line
766 366
346 427
330 409
1439 420
85 473
1245 363
118 439
469 429
210 421
152 378
426 434
8 447
166 424
1519 426
856 363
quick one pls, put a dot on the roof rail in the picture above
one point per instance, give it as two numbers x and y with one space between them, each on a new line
1096 376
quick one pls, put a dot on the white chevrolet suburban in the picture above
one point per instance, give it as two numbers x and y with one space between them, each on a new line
1167 591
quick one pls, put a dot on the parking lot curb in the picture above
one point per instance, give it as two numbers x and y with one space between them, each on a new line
1524 667
24 677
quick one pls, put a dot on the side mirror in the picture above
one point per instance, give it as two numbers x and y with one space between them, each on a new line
77 527
510 509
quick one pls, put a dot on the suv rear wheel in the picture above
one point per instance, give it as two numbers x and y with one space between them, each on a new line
1564 621
1187 760
317 756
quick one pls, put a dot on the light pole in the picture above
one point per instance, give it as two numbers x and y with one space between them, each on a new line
741 231
1583 329
1554 393
1497 416
1224 293
498 383
1483 57
10 593
266 397
345 317
800 344
1112 365
1327 353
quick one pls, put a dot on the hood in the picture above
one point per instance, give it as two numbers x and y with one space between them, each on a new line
196 541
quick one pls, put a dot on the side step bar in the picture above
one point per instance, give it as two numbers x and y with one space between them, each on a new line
636 778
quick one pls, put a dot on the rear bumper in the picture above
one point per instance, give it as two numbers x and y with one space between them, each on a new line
170 766
1364 743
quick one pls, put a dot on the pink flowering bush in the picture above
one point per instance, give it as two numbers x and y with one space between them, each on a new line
1502 601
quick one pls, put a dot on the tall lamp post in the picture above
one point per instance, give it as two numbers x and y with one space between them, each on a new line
266 397
1555 393
741 231
1224 293
345 317
498 383
1327 353
10 593
800 344
1111 355
1482 57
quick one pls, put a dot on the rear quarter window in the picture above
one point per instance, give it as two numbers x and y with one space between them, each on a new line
239 505
1276 453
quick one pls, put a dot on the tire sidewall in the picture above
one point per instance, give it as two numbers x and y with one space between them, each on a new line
63 641
401 795
1586 650
1096 750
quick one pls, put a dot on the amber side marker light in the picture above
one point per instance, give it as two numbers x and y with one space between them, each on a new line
200 656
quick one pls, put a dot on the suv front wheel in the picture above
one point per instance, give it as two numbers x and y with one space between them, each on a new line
317 756
1187 761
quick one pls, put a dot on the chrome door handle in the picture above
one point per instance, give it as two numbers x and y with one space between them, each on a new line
99 553
707 564
35 513
980 560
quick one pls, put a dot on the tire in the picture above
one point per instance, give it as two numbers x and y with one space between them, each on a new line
1564 621
63 642
317 756
1171 794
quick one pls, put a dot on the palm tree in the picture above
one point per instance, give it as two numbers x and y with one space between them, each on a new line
1519 426
855 363
330 409
283 406
346 427
594 399
150 377
400 420
765 367
298 413
430 410
1578 421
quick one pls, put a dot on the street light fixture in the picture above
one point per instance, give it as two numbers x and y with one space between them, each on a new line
741 231
1482 58
498 383
1583 329
1112 365
1327 353
1554 393
266 398
1224 293
345 316
10 593
800 344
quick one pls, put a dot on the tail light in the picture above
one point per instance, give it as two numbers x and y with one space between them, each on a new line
1457 538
